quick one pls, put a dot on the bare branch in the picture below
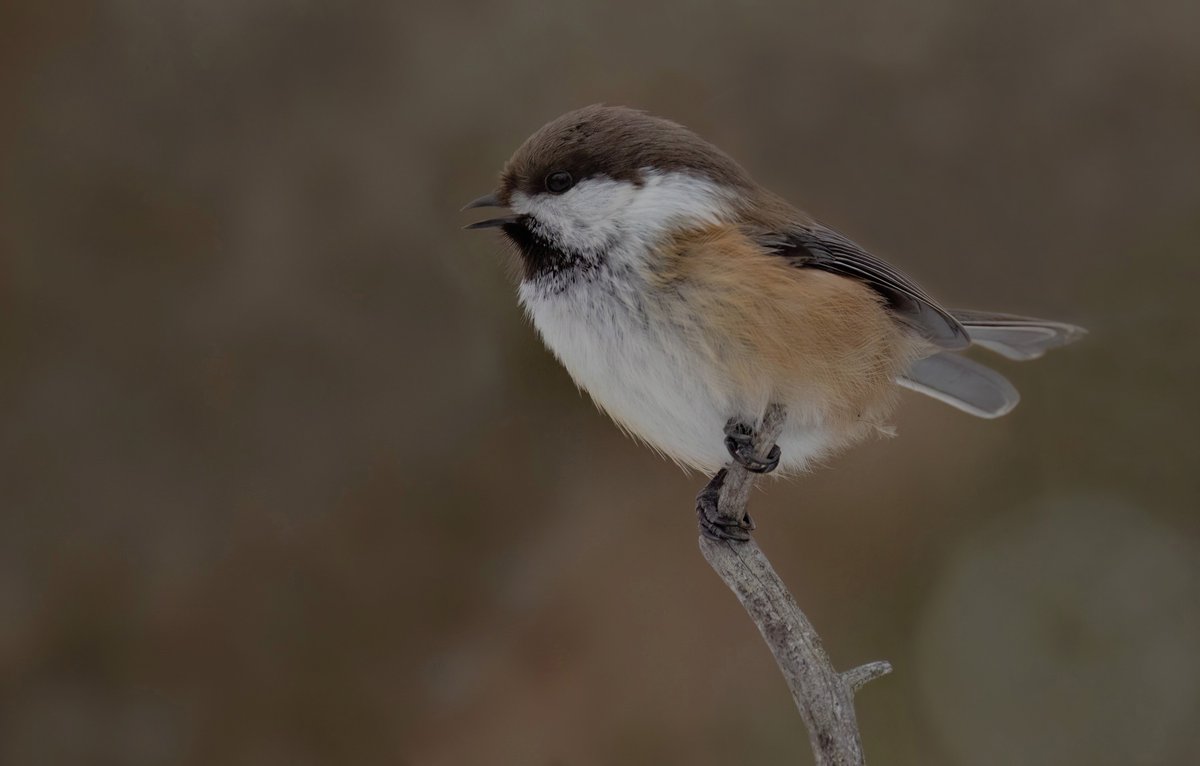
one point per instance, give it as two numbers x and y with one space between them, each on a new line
865 674
824 697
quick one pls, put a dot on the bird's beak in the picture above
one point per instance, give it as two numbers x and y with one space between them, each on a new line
491 199
488 200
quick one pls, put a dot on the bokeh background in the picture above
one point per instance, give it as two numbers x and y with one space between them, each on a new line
286 478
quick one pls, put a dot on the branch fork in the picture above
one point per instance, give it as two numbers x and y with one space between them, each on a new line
823 695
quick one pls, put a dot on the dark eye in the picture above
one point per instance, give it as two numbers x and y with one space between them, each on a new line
559 181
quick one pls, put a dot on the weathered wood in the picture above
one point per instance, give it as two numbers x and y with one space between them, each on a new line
824 697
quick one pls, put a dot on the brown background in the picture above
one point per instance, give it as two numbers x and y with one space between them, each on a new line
285 478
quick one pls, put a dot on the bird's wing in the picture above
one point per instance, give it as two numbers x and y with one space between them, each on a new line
814 246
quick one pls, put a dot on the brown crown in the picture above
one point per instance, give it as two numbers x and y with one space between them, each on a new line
618 143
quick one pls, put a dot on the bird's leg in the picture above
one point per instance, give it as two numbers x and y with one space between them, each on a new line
739 440
713 523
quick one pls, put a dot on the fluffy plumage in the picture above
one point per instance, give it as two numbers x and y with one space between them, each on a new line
680 294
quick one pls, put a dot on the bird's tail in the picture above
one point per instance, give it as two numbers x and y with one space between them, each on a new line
1014 337
980 390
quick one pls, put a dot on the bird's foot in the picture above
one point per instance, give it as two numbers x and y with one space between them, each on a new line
713 524
739 440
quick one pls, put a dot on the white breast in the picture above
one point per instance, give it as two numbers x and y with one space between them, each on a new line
641 373
648 376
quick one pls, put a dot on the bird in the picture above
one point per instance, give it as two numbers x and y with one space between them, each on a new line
686 299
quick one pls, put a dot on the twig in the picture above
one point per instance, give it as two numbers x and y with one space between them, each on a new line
824 696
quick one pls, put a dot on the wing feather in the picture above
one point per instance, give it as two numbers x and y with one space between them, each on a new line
817 247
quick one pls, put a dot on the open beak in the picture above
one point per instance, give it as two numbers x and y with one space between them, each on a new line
488 200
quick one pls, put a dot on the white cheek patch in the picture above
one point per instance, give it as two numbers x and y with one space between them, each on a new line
601 215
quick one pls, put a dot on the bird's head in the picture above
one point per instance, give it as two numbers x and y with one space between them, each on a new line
602 181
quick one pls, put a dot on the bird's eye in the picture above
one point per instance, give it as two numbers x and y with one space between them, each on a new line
559 181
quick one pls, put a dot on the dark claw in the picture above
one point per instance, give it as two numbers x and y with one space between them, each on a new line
739 431
739 440
712 524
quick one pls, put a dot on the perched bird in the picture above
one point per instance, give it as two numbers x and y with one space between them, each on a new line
685 298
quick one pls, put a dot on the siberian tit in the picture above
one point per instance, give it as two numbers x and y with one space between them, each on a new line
685 298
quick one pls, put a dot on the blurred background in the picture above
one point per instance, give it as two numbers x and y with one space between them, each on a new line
286 478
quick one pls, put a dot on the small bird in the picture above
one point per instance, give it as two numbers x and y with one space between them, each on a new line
686 299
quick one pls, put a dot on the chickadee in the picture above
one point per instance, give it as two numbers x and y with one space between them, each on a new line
685 298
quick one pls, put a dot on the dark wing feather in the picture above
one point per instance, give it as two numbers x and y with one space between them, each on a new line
816 247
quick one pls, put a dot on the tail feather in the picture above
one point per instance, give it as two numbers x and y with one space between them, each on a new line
979 390
962 383
1017 337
